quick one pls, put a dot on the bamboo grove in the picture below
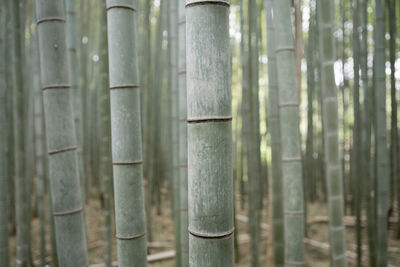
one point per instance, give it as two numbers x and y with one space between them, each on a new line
199 133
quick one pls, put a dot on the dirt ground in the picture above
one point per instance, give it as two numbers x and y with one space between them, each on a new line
162 229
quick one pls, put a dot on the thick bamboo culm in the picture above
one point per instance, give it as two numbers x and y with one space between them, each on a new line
126 136
334 181
183 170
67 204
274 132
382 159
210 185
291 164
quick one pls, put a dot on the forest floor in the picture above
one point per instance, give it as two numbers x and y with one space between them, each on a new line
162 229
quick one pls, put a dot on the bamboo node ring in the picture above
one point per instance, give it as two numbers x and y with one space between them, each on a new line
48 19
56 86
209 2
131 237
122 7
64 149
212 236
68 212
128 162
209 119
125 86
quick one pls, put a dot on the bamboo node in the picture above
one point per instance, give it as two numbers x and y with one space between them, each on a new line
68 212
64 149
212 236
284 48
122 6
56 86
209 2
125 86
48 19
209 119
128 162
131 237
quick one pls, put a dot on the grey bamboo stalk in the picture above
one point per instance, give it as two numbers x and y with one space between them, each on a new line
20 180
382 161
366 137
174 87
357 143
273 127
290 137
210 186
67 204
105 148
76 92
126 136
252 147
183 171
39 146
334 182
299 43
4 247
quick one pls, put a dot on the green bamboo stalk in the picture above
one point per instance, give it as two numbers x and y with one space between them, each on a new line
67 204
20 179
366 138
274 132
126 133
333 169
309 158
76 93
157 91
39 146
4 247
174 87
382 161
357 135
210 186
105 148
183 171
290 137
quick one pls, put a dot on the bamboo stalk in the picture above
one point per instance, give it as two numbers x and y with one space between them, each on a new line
290 137
67 204
273 127
210 186
126 133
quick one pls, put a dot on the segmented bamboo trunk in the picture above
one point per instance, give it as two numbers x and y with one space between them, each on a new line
382 161
76 92
4 253
210 186
20 179
39 145
290 137
333 169
174 87
126 133
105 137
275 136
67 204
366 136
183 171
